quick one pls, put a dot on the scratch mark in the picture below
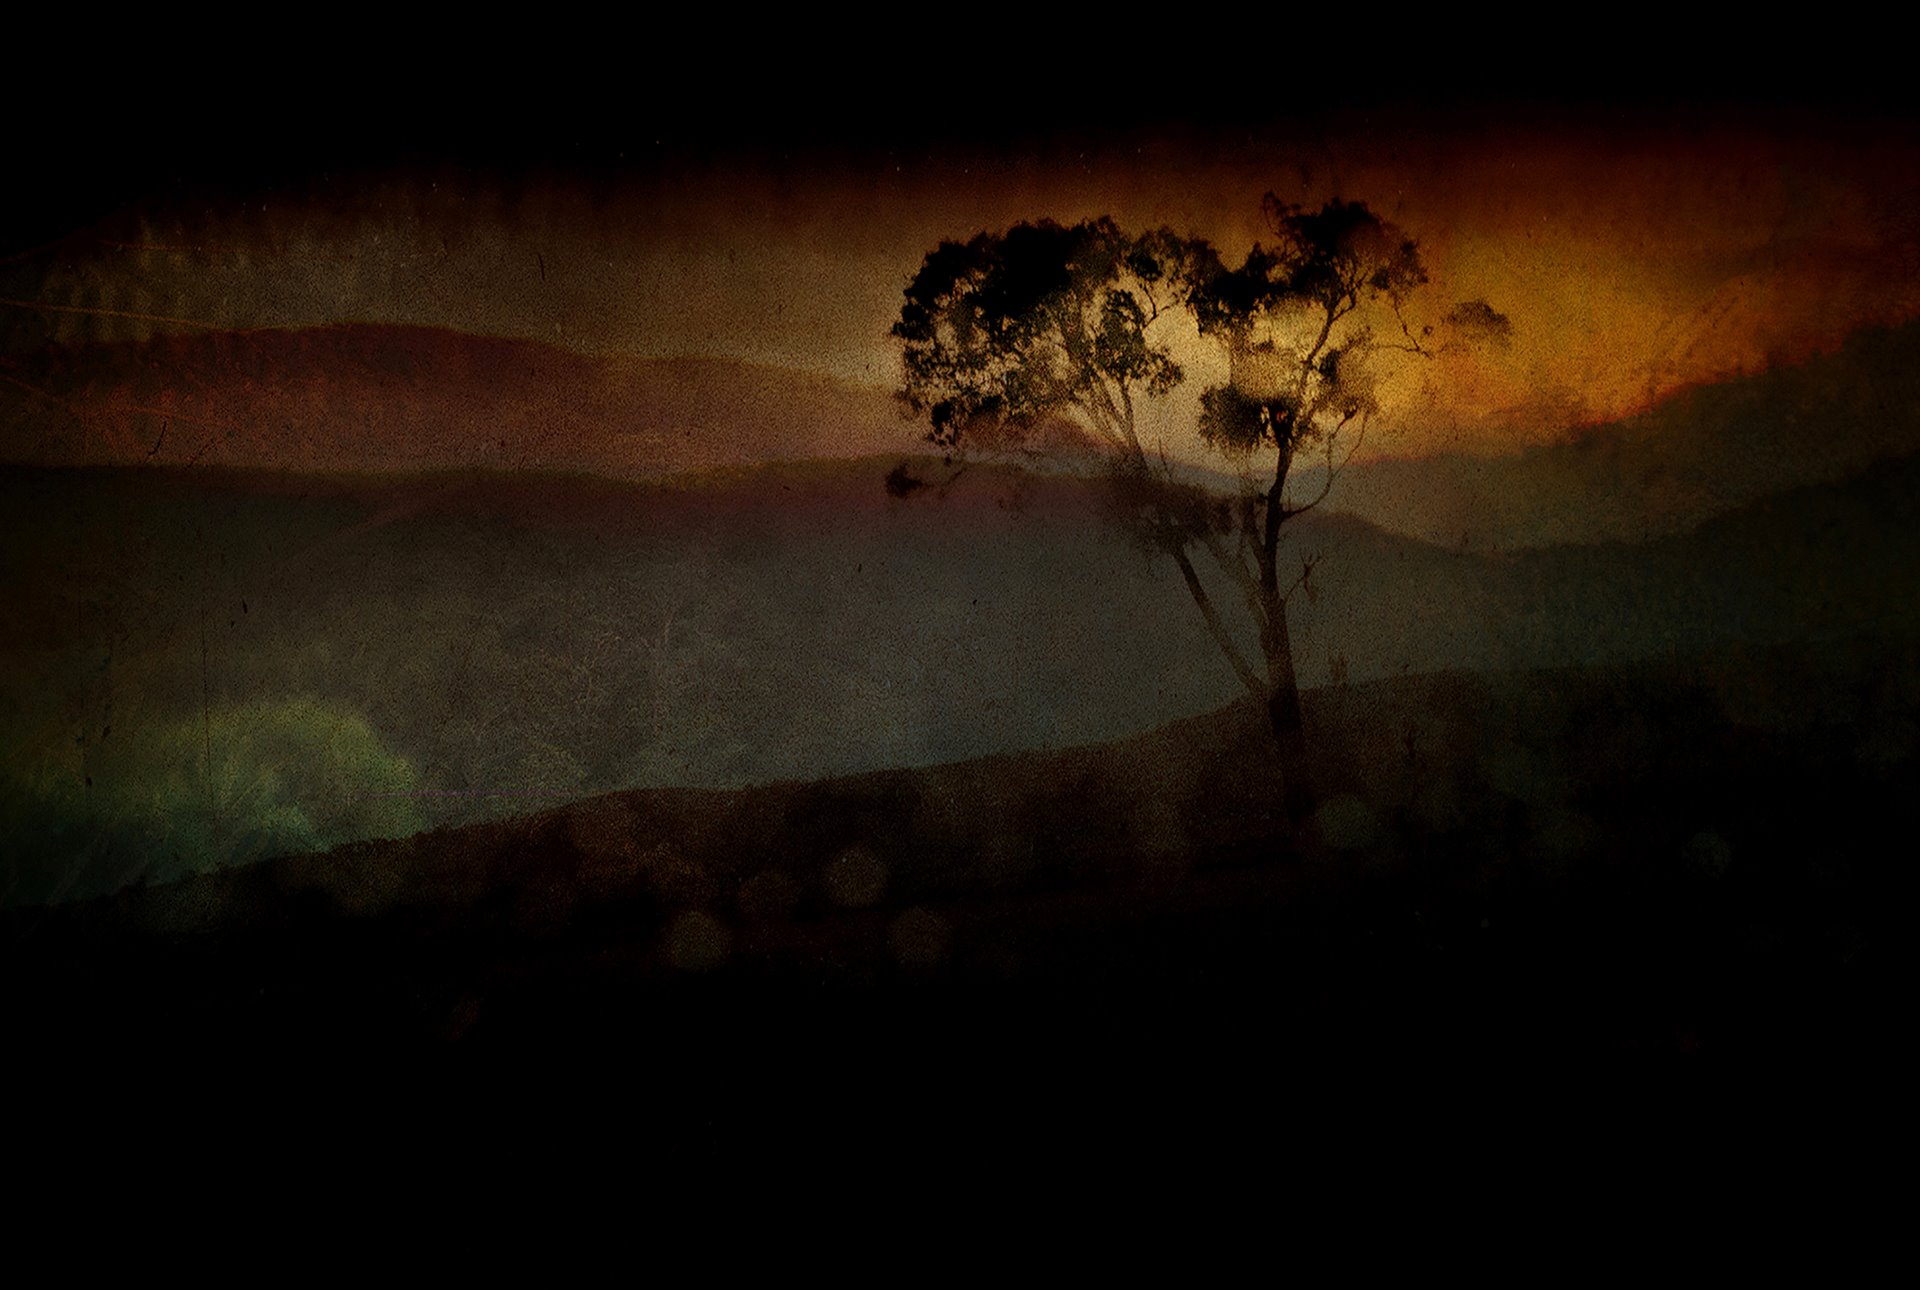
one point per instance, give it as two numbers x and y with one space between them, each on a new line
210 248
43 307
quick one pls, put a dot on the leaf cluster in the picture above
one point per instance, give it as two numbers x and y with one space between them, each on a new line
1050 320
1042 319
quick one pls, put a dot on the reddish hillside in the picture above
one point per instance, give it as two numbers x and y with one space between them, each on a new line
363 397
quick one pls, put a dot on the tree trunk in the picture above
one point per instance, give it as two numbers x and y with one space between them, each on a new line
1283 716
1283 688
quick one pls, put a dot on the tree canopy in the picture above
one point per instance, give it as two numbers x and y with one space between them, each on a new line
1043 319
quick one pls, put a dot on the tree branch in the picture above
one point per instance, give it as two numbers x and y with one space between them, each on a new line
1130 425
1413 345
1232 564
1215 627
1306 568
1333 471
1276 512
1313 353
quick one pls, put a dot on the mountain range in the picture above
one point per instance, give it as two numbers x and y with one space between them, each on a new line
388 399
1692 455
385 399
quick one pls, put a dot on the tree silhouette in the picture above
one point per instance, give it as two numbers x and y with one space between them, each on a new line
1047 325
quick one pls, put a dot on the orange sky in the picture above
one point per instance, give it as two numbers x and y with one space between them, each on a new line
1633 257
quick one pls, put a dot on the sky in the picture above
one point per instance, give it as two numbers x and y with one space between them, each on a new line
1638 247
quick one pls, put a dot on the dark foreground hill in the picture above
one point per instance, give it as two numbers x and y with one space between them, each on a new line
1682 863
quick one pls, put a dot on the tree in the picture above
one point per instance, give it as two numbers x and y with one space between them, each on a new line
1046 324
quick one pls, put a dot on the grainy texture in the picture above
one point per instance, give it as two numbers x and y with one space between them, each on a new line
483 587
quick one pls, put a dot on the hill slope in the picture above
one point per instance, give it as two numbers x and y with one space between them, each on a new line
1601 862
1694 455
205 669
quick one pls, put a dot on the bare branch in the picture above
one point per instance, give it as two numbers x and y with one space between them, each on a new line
1413 345
1216 628
1333 470
1319 343
1233 564
1307 562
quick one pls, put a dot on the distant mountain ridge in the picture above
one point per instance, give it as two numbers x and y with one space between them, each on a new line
1698 453
392 399
362 397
